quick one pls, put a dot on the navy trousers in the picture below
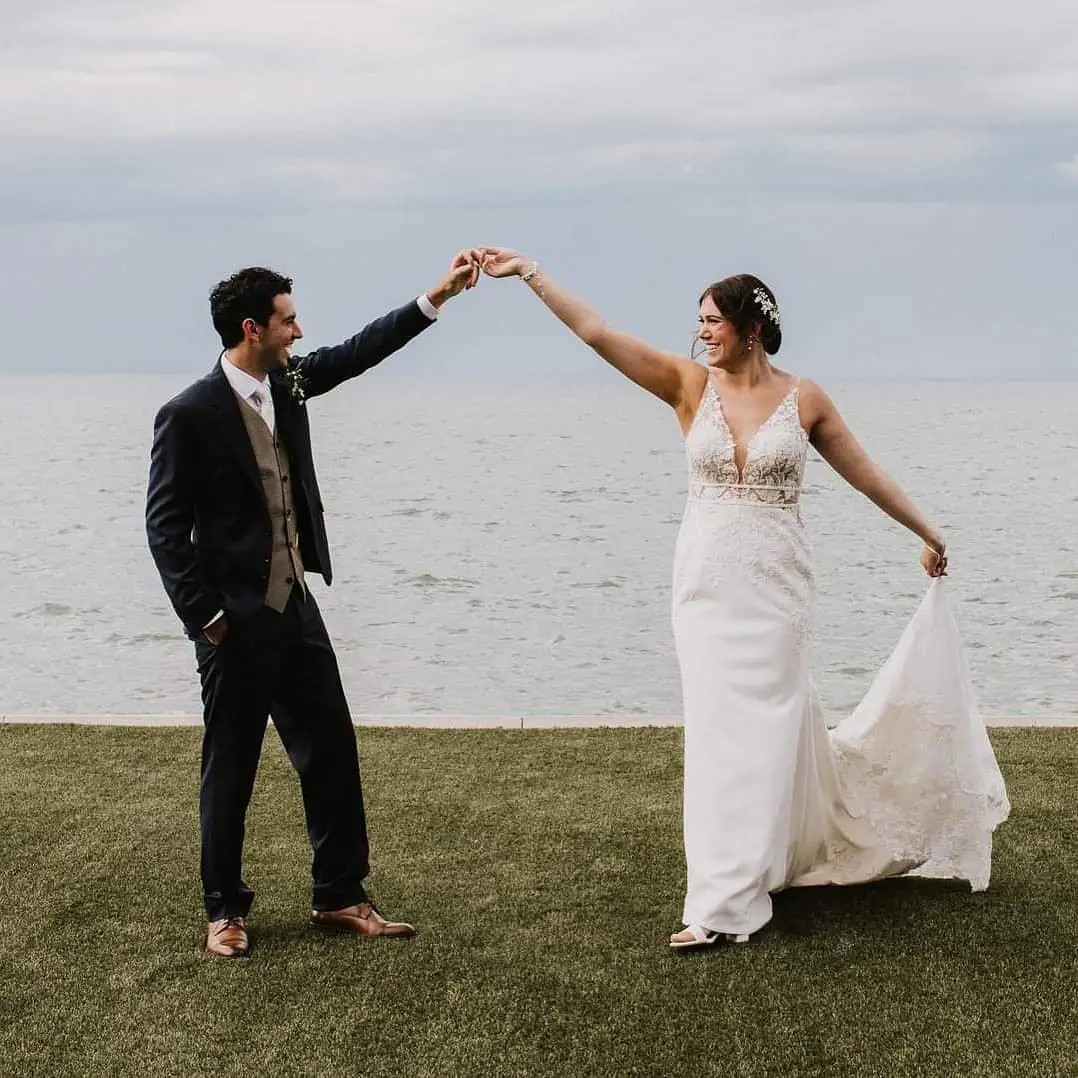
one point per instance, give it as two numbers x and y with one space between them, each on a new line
279 665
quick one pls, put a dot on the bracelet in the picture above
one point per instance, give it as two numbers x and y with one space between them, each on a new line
526 278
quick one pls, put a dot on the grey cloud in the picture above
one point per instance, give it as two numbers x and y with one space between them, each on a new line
594 75
858 148
425 165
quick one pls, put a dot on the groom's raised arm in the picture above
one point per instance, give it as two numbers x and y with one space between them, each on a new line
326 368
170 516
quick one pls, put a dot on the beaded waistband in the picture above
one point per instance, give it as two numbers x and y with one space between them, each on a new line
745 493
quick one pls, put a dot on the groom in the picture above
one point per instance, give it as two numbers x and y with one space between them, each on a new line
234 520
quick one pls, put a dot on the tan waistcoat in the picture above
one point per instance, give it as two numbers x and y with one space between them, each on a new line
275 470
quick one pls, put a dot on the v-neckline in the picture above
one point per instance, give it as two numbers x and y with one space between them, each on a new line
740 468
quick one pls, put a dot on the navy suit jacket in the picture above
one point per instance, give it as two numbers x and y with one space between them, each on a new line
206 516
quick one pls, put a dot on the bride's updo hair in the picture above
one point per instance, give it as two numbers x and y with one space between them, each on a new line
744 301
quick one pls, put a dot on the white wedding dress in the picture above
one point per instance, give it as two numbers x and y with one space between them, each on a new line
773 799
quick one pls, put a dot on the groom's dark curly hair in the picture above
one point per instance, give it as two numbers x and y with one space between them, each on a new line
249 293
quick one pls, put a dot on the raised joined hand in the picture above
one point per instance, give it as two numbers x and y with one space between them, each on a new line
502 262
463 273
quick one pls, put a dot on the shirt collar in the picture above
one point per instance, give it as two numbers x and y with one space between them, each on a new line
242 382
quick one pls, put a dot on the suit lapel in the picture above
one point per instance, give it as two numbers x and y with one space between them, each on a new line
288 422
230 425
282 411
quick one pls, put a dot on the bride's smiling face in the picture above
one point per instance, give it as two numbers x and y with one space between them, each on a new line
720 338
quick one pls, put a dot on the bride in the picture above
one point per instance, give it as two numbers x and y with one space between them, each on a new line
772 799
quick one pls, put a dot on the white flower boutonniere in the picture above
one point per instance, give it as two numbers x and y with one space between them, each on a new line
297 384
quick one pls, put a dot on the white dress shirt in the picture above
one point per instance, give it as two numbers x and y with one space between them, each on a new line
248 388
427 307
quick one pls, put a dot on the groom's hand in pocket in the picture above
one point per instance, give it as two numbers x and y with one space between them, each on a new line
216 631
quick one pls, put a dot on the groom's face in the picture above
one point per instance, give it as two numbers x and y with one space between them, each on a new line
280 333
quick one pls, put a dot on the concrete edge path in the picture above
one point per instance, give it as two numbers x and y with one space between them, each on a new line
465 722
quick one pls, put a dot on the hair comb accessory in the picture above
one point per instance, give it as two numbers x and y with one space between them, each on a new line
767 305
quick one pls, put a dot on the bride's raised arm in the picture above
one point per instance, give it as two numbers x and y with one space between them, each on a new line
834 441
672 378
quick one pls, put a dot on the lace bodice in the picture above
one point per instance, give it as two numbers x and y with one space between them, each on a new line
774 460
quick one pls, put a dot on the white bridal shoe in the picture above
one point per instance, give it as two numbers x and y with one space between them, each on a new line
703 937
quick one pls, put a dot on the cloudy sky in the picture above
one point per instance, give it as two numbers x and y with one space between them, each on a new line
905 175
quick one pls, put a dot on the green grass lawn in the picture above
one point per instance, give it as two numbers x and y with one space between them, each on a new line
544 869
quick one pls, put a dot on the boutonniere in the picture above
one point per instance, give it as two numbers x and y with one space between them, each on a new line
297 384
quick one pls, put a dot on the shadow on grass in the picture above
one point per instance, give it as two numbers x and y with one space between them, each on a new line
806 911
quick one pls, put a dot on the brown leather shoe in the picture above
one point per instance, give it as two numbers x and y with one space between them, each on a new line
228 938
363 920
